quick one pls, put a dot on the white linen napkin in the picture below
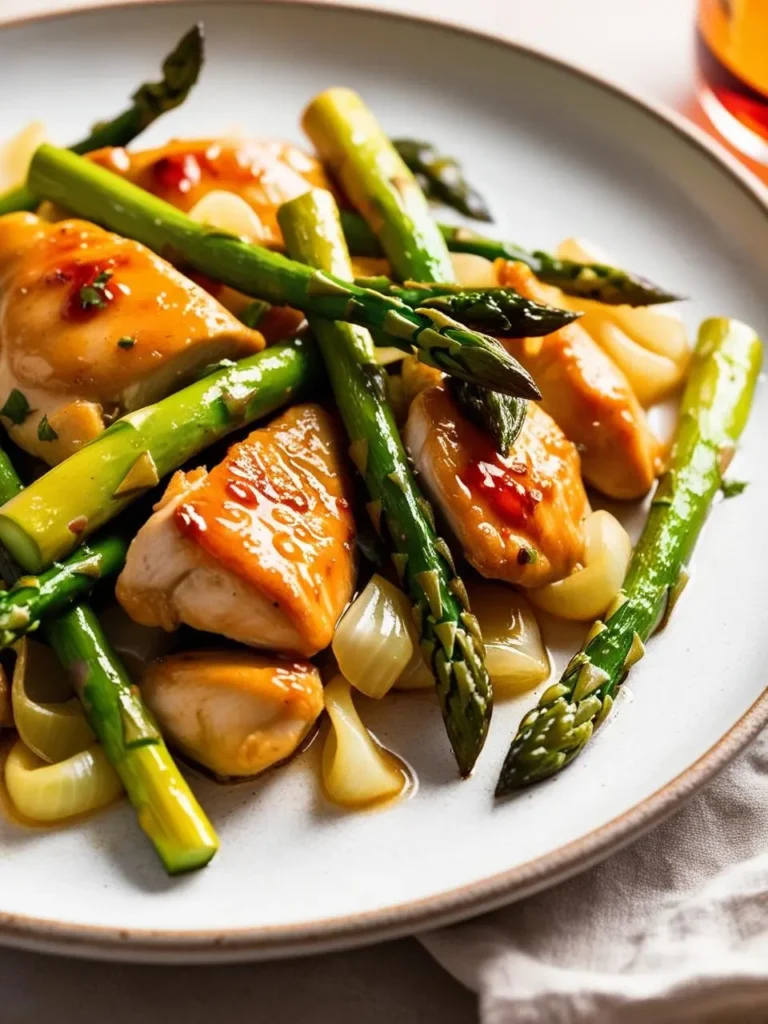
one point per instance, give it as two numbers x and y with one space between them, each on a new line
672 929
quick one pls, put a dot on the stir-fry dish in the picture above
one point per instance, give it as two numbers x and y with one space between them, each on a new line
277 436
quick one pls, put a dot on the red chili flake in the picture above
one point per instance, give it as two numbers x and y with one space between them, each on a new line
177 173
510 499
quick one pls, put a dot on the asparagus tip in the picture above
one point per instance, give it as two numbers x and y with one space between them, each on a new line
181 69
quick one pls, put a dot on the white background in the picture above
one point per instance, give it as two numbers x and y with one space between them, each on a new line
646 46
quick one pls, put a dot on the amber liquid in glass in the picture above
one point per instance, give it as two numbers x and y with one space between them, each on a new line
732 52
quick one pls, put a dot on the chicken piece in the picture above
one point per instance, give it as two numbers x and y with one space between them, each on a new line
589 397
93 326
261 549
235 712
263 173
519 518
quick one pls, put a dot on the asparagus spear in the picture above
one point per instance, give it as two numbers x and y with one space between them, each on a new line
167 810
57 512
497 311
373 175
350 141
99 195
713 413
165 806
32 598
598 281
450 635
442 178
501 416
180 72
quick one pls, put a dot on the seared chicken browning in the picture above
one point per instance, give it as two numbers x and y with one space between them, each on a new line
261 549
589 397
235 712
519 518
93 326
263 173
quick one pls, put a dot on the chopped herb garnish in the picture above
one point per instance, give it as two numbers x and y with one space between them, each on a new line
45 431
96 295
126 341
16 407
732 488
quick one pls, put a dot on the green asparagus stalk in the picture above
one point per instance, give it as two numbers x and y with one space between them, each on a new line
165 806
442 178
167 810
449 633
351 143
597 281
497 311
373 175
180 72
97 194
713 414
56 513
33 598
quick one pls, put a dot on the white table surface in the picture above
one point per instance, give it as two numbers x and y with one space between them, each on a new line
643 45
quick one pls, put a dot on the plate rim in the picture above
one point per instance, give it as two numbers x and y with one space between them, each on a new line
350 930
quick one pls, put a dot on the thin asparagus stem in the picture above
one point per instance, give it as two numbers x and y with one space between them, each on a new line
57 512
497 311
373 175
450 636
167 810
713 414
597 281
34 598
442 178
181 69
97 194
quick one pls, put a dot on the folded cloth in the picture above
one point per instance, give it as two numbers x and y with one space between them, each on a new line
672 929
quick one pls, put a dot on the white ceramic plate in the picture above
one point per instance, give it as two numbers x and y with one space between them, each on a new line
557 154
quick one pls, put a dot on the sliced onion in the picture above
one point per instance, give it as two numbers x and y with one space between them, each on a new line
658 329
416 675
229 212
652 377
16 154
372 643
473 271
357 772
53 729
515 655
586 593
53 792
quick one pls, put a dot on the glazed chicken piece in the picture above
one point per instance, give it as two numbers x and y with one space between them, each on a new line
92 326
235 712
261 549
263 173
588 396
519 518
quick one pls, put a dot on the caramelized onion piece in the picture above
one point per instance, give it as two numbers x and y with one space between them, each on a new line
54 792
16 153
586 593
372 643
227 211
357 772
51 723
